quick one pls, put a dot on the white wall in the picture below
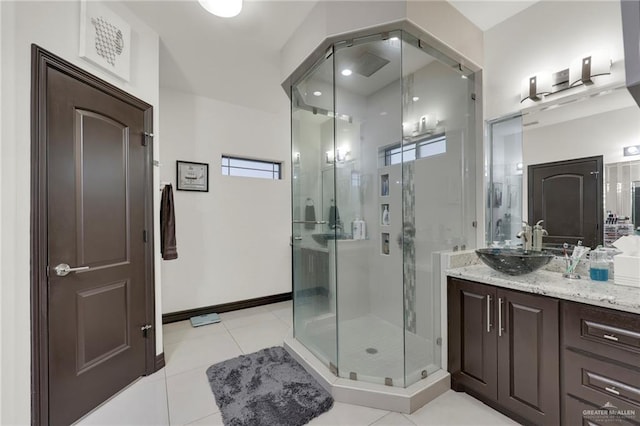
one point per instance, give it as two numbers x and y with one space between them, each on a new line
547 36
454 30
55 27
604 134
233 242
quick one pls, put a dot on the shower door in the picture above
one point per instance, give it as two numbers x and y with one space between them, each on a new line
439 175
312 227
368 91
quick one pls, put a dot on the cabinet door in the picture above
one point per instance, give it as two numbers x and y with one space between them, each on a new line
528 349
473 357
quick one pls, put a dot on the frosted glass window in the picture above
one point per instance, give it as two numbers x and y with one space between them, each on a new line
235 166
411 151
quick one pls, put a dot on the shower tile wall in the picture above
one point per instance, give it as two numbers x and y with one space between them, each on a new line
408 244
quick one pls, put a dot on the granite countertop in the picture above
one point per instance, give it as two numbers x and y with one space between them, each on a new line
552 284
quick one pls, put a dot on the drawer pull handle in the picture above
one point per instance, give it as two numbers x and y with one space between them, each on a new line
610 337
612 390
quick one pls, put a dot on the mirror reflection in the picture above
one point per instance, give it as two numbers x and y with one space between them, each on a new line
566 164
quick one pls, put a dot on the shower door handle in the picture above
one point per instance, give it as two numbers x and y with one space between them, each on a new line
315 222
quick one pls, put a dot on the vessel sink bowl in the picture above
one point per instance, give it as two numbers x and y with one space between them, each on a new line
326 236
514 261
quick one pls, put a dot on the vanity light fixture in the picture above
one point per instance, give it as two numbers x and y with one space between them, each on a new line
581 71
535 87
329 156
428 123
586 67
341 155
222 8
632 150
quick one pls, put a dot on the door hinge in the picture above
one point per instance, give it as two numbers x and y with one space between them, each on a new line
473 96
145 330
474 223
146 135
144 236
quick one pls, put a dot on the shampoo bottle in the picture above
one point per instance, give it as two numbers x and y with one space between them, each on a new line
385 215
355 229
363 230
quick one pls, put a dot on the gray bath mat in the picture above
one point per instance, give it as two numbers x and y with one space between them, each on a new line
267 388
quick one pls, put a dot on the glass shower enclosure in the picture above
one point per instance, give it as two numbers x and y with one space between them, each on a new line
383 178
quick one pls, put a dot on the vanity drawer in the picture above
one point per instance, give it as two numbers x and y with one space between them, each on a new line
605 332
577 412
601 382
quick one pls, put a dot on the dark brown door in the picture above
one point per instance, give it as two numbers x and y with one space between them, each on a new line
529 354
96 211
567 195
473 358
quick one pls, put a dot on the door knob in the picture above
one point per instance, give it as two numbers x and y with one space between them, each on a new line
64 269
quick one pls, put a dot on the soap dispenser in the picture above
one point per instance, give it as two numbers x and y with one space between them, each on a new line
538 233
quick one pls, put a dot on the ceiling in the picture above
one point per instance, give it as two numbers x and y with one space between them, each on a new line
236 60
199 50
487 13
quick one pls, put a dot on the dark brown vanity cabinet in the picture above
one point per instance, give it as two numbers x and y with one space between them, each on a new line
504 349
601 358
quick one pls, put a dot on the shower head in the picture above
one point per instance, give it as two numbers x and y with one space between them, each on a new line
368 64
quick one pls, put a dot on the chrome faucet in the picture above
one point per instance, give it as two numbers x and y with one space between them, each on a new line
538 233
526 236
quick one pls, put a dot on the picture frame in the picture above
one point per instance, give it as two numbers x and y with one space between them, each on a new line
105 39
192 176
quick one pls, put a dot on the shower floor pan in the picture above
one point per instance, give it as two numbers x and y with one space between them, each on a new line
372 349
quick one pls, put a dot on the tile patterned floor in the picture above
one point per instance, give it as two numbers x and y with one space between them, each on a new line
179 394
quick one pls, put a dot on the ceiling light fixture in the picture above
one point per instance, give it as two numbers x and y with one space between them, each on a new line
346 72
317 93
222 8
631 150
416 99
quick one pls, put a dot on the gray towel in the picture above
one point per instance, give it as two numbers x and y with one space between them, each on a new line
334 217
167 225
310 216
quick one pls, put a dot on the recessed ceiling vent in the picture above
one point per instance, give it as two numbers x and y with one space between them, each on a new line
368 64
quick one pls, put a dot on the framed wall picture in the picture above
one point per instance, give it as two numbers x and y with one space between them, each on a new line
192 176
105 39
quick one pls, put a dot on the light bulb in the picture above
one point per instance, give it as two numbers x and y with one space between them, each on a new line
222 8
